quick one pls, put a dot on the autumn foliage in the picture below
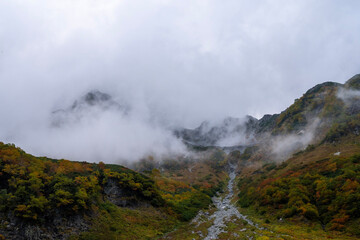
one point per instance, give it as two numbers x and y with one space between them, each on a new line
327 191
36 189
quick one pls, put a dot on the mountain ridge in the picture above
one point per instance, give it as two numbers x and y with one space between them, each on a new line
320 101
298 167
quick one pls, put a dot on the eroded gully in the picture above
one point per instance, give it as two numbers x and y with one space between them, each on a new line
226 211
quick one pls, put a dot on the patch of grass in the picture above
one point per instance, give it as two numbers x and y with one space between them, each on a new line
291 229
112 222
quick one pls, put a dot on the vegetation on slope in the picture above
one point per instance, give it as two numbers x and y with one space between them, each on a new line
348 126
319 184
37 188
184 199
112 222
108 198
320 101
188 184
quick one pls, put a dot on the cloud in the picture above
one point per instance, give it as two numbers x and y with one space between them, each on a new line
351 98
283 146
347 95
99 131
177 62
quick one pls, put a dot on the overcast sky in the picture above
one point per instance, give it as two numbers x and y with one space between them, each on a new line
182 61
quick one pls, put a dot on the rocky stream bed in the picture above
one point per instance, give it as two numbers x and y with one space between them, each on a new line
221 221
226 211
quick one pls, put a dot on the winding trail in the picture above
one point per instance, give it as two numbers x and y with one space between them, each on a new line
225 209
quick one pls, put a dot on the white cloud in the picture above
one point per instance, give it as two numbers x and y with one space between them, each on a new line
179 62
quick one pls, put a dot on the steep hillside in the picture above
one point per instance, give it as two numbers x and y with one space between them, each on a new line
317 110
353 83
318 186
43 198
330 102
298 176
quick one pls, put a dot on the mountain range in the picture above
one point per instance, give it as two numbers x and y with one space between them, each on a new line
297 178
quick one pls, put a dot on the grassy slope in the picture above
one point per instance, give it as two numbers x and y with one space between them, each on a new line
296 227
37 190
316 189
112 222
266 194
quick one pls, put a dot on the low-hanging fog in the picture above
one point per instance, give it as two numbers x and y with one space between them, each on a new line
174 63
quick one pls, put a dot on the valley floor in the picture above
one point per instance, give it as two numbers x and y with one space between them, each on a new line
223 220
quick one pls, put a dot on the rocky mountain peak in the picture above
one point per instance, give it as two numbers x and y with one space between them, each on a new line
92 103
95 96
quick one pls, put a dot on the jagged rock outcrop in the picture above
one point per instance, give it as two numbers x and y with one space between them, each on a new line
58 228
120 196
229 132
91 104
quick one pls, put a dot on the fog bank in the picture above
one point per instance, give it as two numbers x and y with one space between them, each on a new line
176 63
